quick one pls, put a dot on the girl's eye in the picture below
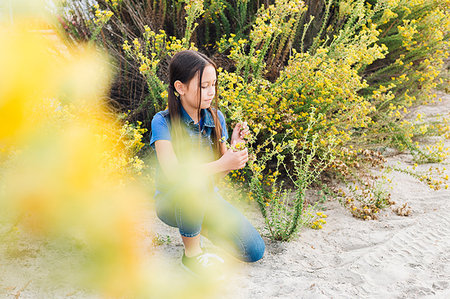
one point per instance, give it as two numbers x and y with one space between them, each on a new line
206 86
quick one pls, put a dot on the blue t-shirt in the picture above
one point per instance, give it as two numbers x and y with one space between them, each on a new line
161 131
161 125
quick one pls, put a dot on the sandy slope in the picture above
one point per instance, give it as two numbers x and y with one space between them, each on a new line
393 257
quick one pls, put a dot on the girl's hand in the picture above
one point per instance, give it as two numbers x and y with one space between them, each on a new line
240 131
234 160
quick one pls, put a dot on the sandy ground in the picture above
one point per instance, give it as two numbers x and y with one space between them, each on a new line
393 257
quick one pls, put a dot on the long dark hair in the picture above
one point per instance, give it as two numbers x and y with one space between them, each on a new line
183 67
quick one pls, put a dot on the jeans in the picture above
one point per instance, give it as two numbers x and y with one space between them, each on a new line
217 219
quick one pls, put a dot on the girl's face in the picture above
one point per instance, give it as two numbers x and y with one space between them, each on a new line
191 92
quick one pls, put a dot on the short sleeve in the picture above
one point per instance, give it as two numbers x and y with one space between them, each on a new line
223 124
160 129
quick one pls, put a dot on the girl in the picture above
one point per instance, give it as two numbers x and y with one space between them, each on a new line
192 89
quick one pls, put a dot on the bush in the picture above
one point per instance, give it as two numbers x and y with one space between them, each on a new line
359 65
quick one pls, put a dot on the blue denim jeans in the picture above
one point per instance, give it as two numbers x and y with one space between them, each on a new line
218 220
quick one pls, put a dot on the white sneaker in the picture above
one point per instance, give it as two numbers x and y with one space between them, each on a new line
204 264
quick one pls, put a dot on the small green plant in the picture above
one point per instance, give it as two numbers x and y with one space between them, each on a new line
285 210
317 220
434 177
365 199
159 240
102 17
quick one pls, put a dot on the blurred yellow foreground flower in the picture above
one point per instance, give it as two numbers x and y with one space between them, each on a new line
58 145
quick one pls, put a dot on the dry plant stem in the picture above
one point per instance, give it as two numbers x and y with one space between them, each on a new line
17 295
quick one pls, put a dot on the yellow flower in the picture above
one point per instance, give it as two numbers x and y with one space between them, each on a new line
143 68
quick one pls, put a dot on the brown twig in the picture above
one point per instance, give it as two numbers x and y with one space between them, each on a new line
17 295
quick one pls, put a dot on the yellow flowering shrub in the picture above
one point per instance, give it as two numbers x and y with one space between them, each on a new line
418 44
270 39
356 67
325 79
329 78
155 47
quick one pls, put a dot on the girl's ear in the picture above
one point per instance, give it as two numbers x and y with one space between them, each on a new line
179 87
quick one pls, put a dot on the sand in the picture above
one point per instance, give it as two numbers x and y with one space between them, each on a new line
393 257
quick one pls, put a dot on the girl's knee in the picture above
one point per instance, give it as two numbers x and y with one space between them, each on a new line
255 249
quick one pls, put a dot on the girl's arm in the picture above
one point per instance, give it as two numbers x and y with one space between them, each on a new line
223 149
229 161
166 157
